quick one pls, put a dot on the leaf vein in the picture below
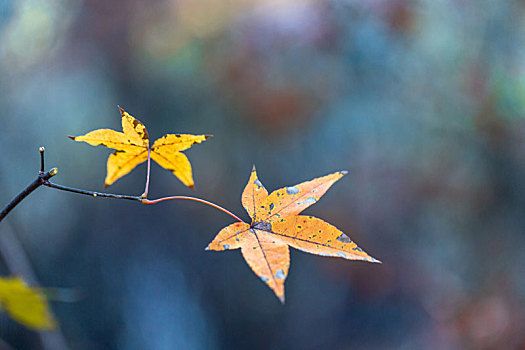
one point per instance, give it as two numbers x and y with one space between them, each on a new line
265 258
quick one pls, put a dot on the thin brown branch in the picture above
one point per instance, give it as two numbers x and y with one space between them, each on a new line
211 204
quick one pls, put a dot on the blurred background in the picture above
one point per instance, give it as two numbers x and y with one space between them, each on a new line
422 101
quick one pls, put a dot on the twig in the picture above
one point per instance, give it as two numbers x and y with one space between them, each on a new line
55 339
138 198
92 193
17 262
41 150
39 181
43 180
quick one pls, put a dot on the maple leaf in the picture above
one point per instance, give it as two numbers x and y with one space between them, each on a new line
276 225
132 146
25 304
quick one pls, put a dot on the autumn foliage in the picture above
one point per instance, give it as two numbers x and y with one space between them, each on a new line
132 148
276 223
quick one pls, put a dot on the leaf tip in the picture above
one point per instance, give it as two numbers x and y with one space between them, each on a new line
374 260
281 299
121 110
207 136
192 187
343 172
253 167
207 248
72 137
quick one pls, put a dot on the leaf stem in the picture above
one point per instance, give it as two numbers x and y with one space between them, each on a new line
216 206
146 189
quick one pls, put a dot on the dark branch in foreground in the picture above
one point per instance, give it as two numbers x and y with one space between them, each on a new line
39 181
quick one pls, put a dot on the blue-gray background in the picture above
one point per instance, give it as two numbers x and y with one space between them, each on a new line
422 101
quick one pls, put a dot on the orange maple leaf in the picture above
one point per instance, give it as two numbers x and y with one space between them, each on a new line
276 225
132 147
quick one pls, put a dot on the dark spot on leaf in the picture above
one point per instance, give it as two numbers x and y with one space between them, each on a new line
262 225
344 238
272 206
308 200
292 190
280 274
143 133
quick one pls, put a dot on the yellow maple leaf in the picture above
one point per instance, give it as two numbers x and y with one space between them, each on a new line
25 304
277 225
132 146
